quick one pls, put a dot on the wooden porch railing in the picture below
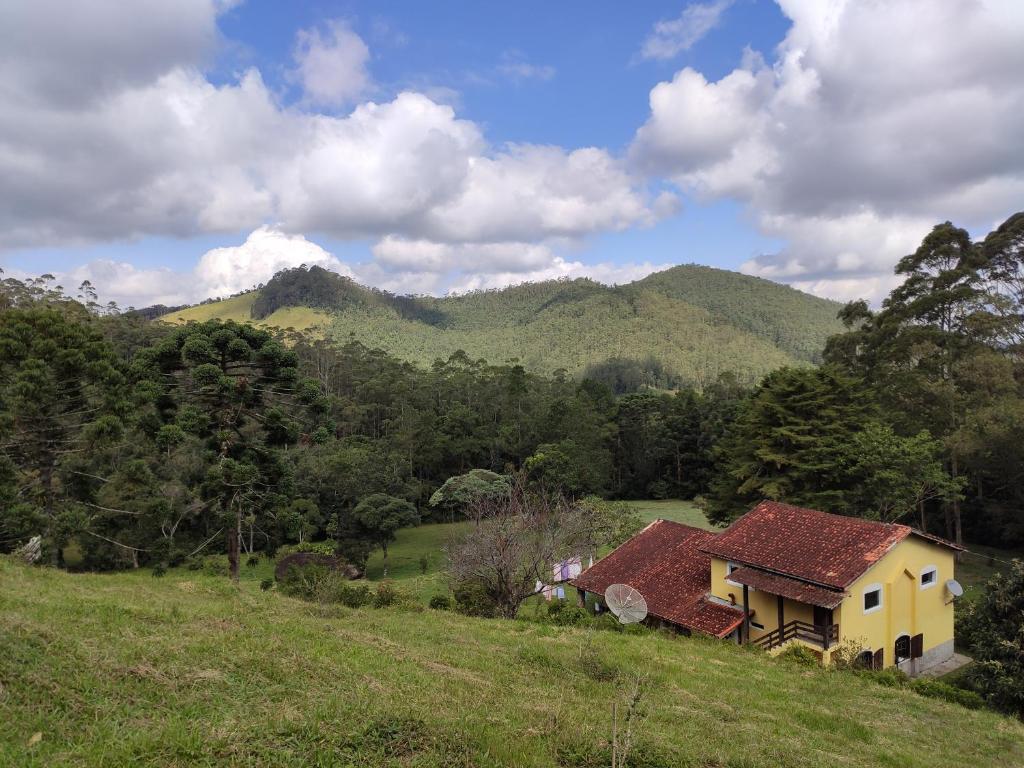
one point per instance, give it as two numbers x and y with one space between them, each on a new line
825 636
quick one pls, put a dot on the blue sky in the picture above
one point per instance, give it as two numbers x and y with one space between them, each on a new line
173 151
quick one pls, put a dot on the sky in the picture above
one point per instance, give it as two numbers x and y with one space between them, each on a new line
174 151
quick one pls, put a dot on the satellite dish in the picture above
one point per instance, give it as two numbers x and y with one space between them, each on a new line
626 603
954 588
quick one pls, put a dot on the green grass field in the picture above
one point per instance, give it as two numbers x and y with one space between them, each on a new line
239 309
671 509
187 670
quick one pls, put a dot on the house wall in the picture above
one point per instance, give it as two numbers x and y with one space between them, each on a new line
906 609
763 605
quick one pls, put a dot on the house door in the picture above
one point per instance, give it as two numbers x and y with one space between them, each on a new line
822 617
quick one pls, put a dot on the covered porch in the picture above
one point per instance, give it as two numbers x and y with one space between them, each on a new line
786 609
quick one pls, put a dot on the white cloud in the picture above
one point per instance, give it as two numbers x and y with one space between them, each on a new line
168 153
427 256
672 37
878 120
130 286
605 272
266 251
331 64
515 66
220 272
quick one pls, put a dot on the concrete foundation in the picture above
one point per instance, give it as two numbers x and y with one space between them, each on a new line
930 658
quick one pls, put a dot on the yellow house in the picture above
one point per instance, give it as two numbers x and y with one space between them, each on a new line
823 580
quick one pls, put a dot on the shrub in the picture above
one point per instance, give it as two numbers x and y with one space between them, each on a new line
890 678
565 615
441 603
848 655
800 655
307 582
317 547
350 595
387 595
936 689
472 599
159 569
215 565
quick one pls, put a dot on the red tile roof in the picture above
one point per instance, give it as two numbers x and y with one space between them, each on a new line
794 589
664 563
825 549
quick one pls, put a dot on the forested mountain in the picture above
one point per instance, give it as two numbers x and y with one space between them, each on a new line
689 323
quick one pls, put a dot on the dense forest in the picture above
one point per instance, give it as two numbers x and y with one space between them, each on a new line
143 443
697 322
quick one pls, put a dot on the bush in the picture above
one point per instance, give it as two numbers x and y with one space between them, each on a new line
159 569
213 565
890 678
800 655
317 547
849 655
472 599
386 596
307 582
936 689
350 595
441 603
565 615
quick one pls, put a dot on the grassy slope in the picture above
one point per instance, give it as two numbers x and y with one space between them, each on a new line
238 308
698 321
185 670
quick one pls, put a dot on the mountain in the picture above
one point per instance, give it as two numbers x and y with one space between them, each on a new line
691 322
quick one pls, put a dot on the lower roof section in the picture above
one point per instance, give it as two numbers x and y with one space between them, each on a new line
664 563
794 589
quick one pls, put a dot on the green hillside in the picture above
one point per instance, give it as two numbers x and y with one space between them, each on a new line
187 670
697 321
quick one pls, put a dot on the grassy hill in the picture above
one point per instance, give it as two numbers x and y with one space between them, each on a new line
129 670
697 321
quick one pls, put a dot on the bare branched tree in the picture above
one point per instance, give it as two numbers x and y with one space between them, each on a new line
515 540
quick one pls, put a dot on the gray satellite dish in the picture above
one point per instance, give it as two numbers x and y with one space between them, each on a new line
954 588
626 603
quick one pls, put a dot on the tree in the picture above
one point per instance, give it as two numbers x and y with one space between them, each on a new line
789 443
943 355
515 541
894 477
380 516
1003 251
993 628
235 387
457 493
61 391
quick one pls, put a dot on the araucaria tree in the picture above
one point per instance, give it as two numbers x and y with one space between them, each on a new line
237 389
515 540
61 392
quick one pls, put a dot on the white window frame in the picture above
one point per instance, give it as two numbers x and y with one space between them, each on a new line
881 598
933 569
730 566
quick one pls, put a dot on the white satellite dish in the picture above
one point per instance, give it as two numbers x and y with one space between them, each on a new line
626 603
954 588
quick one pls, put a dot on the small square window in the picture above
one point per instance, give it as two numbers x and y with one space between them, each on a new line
872 600
929 576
